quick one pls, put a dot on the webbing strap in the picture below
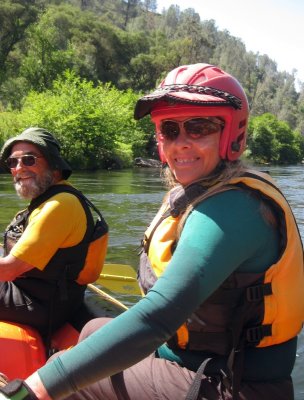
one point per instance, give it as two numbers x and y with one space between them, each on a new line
195 386
255 334
258 292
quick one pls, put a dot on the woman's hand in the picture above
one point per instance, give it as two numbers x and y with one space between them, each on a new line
17 389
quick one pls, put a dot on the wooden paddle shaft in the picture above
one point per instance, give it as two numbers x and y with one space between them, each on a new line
106 296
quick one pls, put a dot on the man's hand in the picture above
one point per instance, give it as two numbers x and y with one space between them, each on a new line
17 390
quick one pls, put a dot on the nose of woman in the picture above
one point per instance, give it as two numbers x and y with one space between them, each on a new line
183 140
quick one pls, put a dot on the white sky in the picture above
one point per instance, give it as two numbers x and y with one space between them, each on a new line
272 27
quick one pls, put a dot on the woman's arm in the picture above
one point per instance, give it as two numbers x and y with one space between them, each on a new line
221 235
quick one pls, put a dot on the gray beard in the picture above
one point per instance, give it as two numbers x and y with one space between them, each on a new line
36 187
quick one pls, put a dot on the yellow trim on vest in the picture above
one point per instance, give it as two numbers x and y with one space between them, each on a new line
165 238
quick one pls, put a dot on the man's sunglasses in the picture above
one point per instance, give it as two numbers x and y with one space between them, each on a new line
195 128
28 160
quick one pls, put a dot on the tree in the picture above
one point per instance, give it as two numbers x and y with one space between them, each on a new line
271 140
170 21
15 17
150 5
284 103
229 54
266 86
300 111
45 60
190 28
261 142
131 10
92 123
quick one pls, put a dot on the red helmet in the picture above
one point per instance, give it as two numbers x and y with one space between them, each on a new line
201 90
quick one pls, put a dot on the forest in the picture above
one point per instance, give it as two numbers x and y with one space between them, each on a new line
77 67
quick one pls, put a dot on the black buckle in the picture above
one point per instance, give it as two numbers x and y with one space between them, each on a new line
256 293
257 333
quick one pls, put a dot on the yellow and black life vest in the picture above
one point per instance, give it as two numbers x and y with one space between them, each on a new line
50 297
269 305
79 264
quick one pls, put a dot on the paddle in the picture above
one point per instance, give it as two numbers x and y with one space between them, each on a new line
119 278
106 296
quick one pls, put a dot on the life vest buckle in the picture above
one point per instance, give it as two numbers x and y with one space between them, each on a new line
256 334
256 293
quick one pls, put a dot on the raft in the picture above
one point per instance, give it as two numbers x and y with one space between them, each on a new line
23 350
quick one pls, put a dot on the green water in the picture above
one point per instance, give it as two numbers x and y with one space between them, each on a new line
129 199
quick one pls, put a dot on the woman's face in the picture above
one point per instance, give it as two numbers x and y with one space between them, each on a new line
190 146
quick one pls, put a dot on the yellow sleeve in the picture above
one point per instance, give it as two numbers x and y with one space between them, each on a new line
59 222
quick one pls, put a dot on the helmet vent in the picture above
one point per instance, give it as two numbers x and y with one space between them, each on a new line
235 146
242 123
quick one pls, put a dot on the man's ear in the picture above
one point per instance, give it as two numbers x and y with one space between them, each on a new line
57 175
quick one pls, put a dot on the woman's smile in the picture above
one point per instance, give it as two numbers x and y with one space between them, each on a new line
192 159
186 161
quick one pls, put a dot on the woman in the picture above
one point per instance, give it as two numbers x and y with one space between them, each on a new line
222 269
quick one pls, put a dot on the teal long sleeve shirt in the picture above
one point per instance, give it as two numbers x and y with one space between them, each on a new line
222 234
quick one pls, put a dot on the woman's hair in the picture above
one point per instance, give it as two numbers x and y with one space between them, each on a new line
225 171
218 182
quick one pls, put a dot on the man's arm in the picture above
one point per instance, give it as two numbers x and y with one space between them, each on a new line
11 267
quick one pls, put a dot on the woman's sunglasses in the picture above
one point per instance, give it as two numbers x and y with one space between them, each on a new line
28 160
195 128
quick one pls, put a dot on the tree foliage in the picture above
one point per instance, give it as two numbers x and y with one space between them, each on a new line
90 122
271 140
15 17
119 45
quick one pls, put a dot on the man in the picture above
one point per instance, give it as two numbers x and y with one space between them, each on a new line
44 269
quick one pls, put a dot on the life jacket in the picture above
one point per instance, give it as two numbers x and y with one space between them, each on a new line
74 266
259 309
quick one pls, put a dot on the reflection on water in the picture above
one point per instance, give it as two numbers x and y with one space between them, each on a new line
129 199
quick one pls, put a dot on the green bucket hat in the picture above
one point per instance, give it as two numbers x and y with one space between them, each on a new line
47 144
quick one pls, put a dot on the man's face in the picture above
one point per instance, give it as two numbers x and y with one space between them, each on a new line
30 181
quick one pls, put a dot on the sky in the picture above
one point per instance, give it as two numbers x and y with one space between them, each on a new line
272 27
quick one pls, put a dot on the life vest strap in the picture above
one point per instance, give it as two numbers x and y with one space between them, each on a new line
258 292
256 334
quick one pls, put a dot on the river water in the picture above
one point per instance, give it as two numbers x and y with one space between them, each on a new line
129 199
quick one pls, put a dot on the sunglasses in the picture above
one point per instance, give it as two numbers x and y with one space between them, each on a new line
28 160
195 128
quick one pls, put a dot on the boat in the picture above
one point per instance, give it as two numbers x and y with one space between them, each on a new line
22 348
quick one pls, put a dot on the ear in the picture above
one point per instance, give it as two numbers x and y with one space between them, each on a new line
57 174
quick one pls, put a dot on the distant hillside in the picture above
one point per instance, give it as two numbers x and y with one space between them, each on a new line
127 44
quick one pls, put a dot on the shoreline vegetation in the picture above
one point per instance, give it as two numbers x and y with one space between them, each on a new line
77 68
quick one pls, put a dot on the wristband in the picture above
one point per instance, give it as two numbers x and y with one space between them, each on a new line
18 390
